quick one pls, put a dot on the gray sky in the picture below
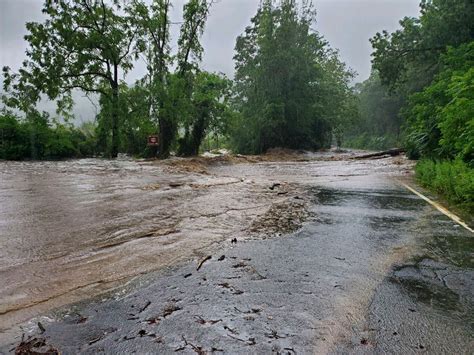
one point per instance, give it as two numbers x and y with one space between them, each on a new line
346 24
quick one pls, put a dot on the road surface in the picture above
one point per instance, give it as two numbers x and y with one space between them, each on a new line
373 268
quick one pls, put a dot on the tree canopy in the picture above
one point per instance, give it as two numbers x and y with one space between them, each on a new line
290 86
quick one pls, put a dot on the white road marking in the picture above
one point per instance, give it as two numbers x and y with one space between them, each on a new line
439 207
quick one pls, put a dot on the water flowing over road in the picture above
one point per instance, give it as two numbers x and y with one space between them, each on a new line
372 269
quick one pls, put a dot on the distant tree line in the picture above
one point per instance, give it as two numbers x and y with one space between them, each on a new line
290 88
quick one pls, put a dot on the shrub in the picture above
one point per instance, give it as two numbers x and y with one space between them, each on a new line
454 180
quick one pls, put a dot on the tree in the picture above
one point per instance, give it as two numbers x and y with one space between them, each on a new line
289 84
169 92
379 123
209 109
440 119
84 45
409 57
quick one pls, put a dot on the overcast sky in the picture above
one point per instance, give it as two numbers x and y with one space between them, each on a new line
346 24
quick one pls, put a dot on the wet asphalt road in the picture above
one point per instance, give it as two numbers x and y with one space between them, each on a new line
374 270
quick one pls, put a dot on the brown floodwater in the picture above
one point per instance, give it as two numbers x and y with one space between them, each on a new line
70 230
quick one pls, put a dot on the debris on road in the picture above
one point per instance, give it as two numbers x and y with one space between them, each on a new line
34 345
209 257
389 153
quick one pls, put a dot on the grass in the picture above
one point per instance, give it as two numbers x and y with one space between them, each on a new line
453 180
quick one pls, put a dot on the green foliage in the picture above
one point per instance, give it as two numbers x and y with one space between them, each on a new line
452 179
457 118
291 89
171 96
440 119
35 138
409 57
372 142
379 123
81 45
13 138
209 110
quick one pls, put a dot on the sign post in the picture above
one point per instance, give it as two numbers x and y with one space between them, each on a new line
153 142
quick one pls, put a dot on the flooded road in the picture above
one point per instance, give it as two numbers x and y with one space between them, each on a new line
70 230
371 260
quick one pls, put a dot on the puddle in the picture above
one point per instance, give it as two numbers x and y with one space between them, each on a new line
457 250
431 294
393 200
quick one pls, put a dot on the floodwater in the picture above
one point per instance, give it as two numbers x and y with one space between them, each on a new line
370 262
72 229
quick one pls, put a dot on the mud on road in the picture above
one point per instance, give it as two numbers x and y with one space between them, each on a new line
325 246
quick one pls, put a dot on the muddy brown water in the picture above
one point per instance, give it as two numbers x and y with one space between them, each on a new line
72 230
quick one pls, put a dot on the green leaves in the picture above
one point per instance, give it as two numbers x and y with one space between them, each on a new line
409 57
291 88
440 119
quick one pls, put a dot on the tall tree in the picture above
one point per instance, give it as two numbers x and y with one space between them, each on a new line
410 57
82 44
285 77
208 108
170 92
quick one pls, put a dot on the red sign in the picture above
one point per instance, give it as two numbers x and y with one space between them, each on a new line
153 140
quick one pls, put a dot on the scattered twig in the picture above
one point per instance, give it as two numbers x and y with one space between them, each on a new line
202 321
31 345
274 335
239 265
170 309
144 307
95 340
203 261
250 341
197 349
233 331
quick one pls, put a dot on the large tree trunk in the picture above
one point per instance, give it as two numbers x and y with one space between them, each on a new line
115 115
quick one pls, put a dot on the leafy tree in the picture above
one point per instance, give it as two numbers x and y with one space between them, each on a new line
289 85
378 125
409 57
35 137
84 45
137 126
170 93
209 109
440 119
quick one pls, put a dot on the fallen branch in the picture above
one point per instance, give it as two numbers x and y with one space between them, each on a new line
392 152
203 261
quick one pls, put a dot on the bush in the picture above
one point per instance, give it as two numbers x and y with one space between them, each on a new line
35 138
454 180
